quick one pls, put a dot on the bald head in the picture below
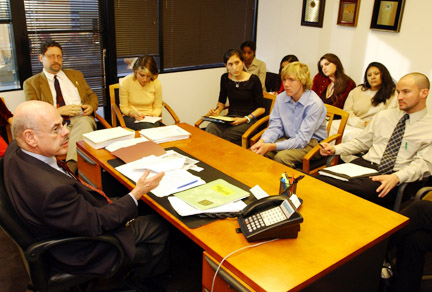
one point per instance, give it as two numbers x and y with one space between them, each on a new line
420 80
29 115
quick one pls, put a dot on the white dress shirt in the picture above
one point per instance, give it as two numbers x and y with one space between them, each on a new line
68 89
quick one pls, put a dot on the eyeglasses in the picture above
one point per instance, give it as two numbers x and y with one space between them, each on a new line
52 57
58 128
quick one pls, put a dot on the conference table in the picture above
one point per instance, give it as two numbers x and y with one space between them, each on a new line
340 246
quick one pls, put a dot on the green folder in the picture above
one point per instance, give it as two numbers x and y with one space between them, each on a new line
212 194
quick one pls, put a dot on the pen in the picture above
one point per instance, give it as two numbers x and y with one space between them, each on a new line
185 185
406 145
135 110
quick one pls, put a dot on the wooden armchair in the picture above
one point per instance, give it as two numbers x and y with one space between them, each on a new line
269 100
116 114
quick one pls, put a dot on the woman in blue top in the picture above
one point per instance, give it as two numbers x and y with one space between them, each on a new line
244 93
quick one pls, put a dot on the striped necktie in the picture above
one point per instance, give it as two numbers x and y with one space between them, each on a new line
388 159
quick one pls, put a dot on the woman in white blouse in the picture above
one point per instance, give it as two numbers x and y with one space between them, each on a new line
375 94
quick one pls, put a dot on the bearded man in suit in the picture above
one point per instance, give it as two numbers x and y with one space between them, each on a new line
68 91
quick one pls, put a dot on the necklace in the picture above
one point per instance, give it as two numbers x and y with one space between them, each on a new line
237 83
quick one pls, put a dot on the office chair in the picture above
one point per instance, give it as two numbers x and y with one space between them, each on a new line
36 253
116 114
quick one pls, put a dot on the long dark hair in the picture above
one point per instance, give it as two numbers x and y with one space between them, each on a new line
232 52
287 58
341 79
387 88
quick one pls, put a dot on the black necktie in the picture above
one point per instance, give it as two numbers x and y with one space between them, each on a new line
59 97
388 159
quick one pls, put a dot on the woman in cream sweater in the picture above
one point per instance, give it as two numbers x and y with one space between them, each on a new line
141 94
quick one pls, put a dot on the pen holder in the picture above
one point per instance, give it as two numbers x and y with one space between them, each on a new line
287 189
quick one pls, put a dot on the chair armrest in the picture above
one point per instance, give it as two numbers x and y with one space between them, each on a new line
172 113
252 129
199 122
307 158
35 251
118 114
422 192
256 137
104 123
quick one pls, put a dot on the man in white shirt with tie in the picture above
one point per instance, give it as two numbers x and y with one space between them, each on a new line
68 91
411 159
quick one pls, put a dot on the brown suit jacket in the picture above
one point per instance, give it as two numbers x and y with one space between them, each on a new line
37 88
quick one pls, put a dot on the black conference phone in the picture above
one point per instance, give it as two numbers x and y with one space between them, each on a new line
270 217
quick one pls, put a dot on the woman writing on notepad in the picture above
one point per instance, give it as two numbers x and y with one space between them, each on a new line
245 96
141 94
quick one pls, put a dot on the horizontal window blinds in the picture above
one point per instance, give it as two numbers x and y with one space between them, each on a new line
76 25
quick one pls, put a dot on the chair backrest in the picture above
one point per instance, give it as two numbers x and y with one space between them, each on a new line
269 100
16 230
114 99
333 111
8 128
272 82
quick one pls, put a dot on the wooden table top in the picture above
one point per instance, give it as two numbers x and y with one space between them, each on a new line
337 225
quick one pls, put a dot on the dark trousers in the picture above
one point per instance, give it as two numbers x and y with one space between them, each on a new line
363 187
412 243
151 241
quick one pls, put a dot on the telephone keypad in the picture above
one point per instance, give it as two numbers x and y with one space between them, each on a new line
265 218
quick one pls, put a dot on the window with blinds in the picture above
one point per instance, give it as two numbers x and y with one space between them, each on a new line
181 34
76 25
8 65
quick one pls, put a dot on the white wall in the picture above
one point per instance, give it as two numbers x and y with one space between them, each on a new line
280 33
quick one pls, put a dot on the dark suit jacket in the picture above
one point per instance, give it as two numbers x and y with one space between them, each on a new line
52 204
37 88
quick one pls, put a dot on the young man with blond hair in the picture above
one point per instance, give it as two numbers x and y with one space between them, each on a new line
297 121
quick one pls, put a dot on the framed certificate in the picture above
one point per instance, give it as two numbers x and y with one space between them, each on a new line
348 12
387 15
313 13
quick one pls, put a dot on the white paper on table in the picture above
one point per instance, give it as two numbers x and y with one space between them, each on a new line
184 209
176 181
148 119
258 192
159 164
125 143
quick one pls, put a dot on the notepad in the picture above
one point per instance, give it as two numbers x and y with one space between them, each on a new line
347 171
212 194
218 119
149 119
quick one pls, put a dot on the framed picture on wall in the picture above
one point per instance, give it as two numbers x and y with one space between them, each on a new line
348 12
387 15
313 13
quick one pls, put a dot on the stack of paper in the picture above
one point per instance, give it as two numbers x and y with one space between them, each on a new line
125 143
165 134
347 171
102 138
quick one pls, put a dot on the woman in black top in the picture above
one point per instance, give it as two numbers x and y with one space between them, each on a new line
244 93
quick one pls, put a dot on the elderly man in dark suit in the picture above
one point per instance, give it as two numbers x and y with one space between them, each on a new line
52 203
68 91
